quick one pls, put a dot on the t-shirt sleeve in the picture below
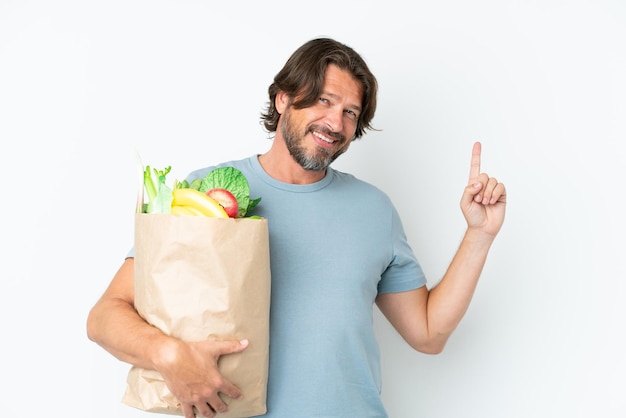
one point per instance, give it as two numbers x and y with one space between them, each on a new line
404 272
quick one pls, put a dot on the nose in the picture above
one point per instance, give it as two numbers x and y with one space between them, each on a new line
334 120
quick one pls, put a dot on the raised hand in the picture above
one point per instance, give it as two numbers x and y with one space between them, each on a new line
484 200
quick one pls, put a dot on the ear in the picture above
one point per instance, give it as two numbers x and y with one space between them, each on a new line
281 102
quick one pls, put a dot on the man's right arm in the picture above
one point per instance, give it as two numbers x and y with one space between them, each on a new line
114 324
188 368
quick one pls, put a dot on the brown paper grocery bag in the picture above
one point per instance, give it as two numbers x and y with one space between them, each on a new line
199 278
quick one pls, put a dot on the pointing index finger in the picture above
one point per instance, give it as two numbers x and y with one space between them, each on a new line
475 163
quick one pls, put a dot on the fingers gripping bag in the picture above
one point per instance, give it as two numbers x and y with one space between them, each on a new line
203 277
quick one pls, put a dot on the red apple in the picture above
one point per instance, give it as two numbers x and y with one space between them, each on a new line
226 199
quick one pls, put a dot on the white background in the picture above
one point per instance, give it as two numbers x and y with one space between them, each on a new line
83 84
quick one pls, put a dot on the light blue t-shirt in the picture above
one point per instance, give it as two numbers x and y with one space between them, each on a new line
334 245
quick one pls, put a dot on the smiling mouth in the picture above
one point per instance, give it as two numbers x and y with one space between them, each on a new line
323 137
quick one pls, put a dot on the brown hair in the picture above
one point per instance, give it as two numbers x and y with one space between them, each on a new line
302 78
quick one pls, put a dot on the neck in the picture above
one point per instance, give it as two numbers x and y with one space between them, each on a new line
280 165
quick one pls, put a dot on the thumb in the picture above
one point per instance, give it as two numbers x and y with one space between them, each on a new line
231 346
471 191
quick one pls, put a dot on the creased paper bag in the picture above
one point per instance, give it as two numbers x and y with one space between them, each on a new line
199 278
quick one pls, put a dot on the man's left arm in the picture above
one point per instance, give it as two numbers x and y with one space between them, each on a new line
426 318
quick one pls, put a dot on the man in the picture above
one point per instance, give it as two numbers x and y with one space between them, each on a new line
337 247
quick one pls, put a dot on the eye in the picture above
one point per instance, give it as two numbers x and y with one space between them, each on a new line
351 114
324 100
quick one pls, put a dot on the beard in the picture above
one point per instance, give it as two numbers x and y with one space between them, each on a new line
320 158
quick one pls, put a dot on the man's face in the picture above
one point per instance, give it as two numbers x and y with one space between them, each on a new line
315 136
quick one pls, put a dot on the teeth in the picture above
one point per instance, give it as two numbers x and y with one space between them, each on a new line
323 138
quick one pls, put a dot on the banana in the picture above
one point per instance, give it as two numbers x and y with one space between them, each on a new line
192 210
185 210
199 201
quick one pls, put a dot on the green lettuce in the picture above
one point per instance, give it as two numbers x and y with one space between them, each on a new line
234 181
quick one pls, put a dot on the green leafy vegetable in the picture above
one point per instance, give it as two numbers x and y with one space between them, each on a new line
234 181
158 192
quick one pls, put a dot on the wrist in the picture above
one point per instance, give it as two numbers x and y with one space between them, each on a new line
165 352
477 236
